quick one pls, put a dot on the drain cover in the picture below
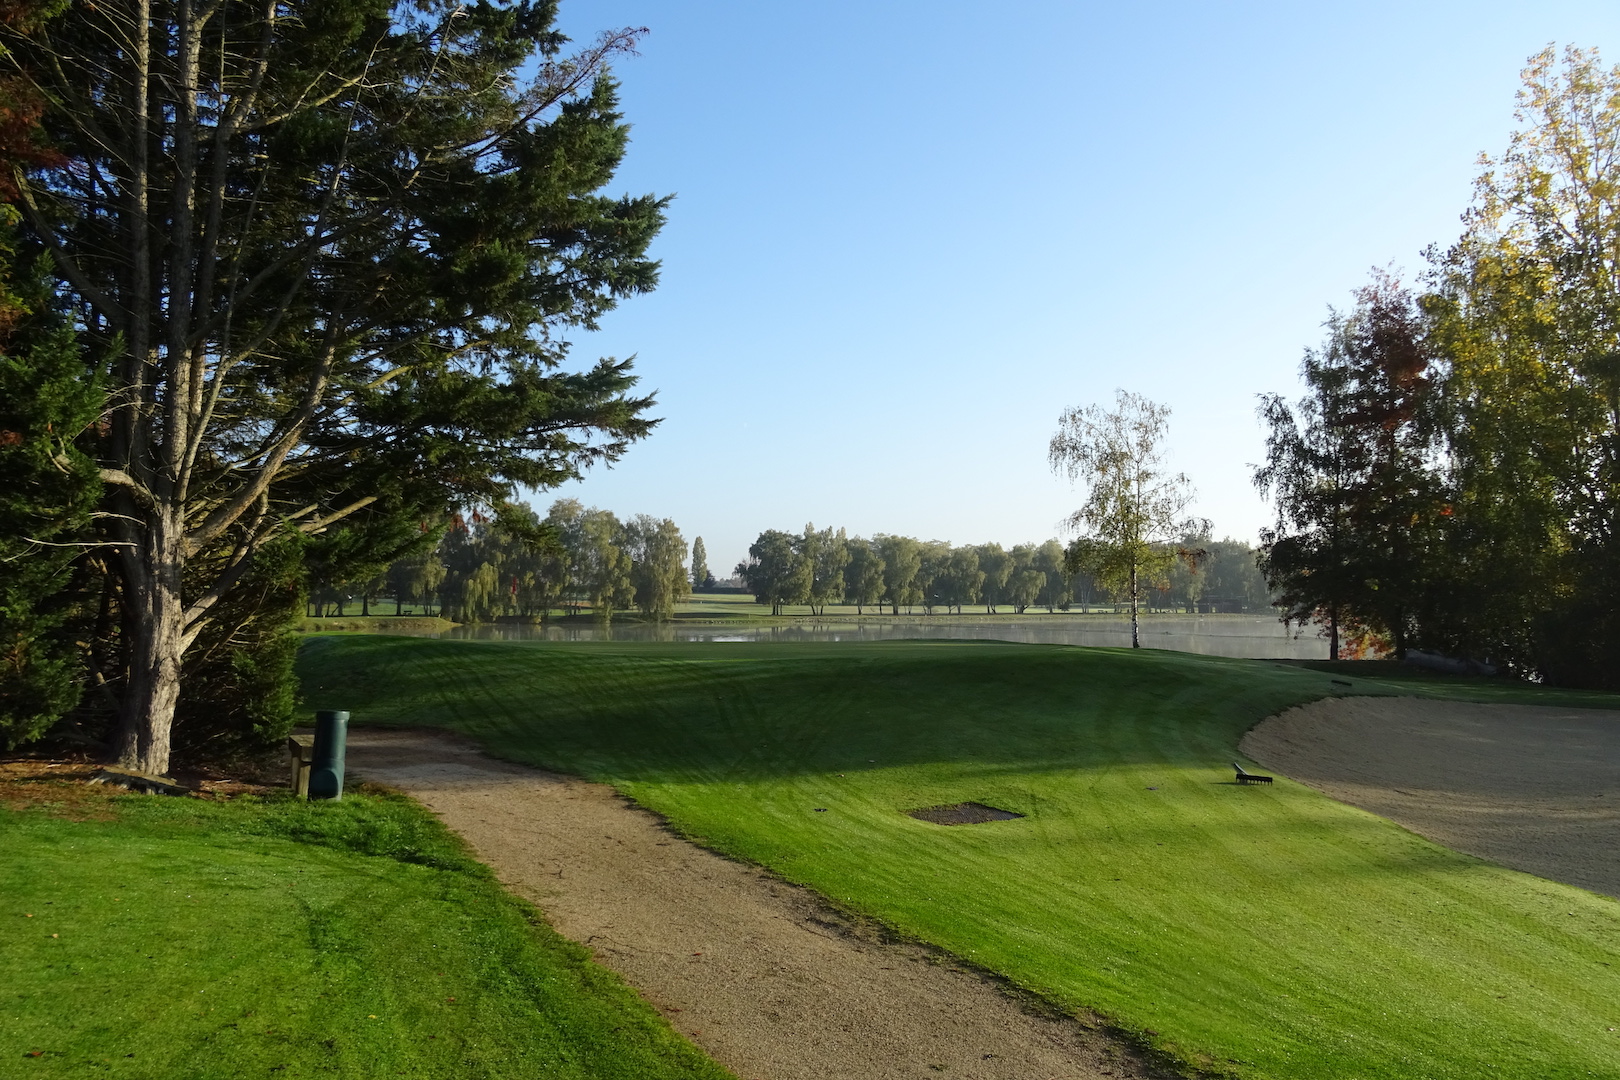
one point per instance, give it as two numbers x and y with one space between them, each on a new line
963 813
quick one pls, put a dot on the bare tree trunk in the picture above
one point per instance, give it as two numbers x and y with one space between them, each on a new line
1136 636
152 591
1333 633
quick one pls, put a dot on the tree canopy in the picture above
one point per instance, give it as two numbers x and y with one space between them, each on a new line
1451 480
1351 473
701 576
1134 512
331 253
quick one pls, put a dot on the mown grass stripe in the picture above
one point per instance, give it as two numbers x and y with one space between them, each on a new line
1269 931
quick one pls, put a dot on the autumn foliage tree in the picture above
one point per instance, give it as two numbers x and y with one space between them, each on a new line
1350 469
1526 309
1451 479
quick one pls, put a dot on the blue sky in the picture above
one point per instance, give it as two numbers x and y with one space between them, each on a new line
905 236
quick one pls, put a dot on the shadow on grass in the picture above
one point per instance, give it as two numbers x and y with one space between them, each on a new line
666 712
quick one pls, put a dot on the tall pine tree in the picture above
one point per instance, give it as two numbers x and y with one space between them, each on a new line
48 490
333 250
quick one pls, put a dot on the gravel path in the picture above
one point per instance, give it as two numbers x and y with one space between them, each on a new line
761 975
1531 787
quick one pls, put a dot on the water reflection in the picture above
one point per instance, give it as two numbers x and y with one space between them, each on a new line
1257 636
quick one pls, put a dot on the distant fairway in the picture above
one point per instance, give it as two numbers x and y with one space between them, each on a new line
1263 931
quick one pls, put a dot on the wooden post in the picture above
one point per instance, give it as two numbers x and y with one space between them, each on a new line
301 751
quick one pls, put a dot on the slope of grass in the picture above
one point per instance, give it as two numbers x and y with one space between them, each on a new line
1269 932
176 939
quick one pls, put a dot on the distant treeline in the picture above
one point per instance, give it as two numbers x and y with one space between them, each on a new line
578 559
821 567
520 564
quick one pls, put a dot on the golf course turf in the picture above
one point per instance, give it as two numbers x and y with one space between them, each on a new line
171 939
1261 931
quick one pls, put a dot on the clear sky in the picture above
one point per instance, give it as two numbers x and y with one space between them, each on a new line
906 235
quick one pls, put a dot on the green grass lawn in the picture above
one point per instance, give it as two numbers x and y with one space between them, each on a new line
187 939
1270 932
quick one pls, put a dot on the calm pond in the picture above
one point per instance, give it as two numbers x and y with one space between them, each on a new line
1256 636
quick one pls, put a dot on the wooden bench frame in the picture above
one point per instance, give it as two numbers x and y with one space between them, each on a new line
1246 777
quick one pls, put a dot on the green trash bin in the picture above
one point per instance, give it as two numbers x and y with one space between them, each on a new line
326 766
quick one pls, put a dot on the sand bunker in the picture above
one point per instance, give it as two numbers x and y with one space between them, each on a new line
761 975
1531 787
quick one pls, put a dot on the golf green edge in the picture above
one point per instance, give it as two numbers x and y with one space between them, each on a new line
1257 931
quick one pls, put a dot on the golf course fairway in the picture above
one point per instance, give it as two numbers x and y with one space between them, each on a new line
1257 931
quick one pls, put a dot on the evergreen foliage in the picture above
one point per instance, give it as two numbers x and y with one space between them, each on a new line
48 491
239 691
332 250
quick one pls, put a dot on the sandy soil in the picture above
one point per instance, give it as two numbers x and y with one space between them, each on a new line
1530 787
761 975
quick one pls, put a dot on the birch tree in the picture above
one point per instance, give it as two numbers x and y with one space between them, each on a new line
1134 511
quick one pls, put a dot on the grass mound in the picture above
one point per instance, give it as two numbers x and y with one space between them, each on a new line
176 938
1260 931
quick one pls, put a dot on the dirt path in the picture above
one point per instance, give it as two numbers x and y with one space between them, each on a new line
1531 787
760 974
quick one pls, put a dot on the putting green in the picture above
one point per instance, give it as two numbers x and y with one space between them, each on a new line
1262 931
